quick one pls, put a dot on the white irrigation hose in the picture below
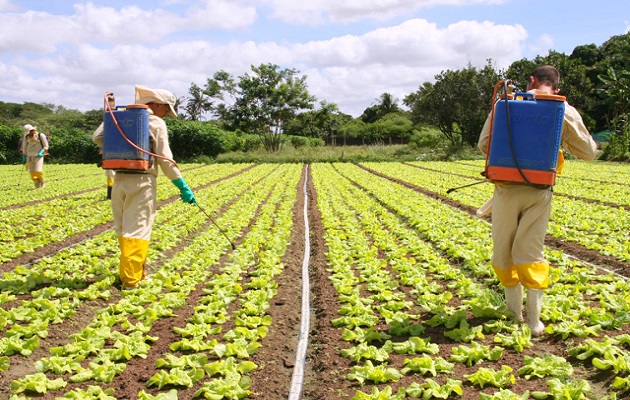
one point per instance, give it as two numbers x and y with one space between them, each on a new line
300 357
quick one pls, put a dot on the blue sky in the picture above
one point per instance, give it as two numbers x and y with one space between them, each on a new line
70 53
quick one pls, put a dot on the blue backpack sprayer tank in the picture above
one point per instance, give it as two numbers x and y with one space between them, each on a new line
524 140
525 136
126 138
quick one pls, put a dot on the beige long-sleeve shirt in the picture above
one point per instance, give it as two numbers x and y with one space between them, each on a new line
32 145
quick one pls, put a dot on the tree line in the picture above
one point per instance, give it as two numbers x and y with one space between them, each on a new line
270 106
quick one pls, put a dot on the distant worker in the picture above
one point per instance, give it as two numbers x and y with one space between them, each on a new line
34 147
520 213
134 193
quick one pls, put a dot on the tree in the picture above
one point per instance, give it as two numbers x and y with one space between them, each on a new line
352 130
616 86
615 53
575 84
396 126
588 55
321 123
260 103
386 104
197 104
457 103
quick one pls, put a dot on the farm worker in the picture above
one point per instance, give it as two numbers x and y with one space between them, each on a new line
134 192
34 146
520 213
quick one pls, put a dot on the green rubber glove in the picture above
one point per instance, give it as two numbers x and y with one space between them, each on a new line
23 159
186 194
41 153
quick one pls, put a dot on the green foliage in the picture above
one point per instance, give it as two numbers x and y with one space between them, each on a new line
320 123
427 138
190 139
72 146
386 104
289 154
374 373
548 365
376 394
37 383
457 103
301 141
488 376
616 88
430 389
9 139
262 102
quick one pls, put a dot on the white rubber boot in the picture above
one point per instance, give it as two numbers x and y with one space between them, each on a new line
534 307
514 301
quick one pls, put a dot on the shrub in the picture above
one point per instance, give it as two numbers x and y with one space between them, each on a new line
191 139
9 139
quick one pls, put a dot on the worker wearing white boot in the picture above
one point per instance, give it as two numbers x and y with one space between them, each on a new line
520 213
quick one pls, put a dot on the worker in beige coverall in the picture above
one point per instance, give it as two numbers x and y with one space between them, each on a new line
34 146
134 194
520 214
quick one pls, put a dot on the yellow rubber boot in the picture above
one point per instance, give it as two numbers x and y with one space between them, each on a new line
35 178
133 253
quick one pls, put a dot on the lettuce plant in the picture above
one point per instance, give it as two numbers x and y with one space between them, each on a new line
488 376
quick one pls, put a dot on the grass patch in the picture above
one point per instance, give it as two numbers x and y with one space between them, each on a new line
353 154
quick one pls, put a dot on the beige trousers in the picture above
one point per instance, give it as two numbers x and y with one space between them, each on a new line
520 215
134 204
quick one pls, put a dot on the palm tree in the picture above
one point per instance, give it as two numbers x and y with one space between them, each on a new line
387 104
198 103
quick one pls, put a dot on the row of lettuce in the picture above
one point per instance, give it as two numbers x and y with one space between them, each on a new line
590 208
405 264
402 263
211 357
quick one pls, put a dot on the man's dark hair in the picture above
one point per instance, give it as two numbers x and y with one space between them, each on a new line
547 74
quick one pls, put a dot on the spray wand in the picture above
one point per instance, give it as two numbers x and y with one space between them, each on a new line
109 107
464 186
218 227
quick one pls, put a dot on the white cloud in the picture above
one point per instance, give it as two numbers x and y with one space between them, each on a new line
315 12
5 5
149 47
543 44
355 70
42 32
